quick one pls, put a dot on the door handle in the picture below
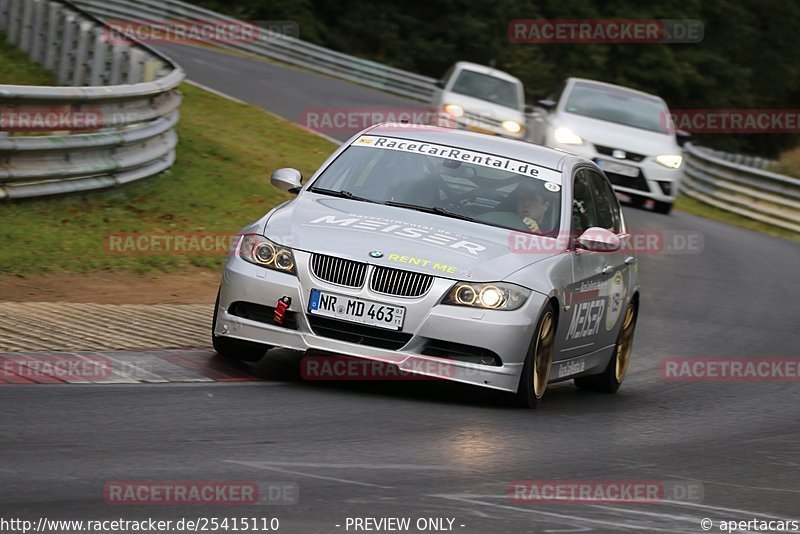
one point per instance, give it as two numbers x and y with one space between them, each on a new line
629 260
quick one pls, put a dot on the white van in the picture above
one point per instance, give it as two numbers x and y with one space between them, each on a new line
481 99
624 131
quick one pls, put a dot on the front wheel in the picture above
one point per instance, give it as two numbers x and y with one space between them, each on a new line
236 349
611 378
538 362
663 207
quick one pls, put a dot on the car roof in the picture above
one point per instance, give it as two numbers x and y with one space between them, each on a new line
587 81
483 69
541 156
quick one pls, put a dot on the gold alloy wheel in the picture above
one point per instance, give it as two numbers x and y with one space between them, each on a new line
543 355
625 345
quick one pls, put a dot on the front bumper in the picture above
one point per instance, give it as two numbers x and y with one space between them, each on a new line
479 125
654 180
507 334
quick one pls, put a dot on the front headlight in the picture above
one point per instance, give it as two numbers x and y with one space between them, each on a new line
673 162
259 250
565 136
491 296
512 126
454 110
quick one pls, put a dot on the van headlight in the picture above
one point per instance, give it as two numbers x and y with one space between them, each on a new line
565 136
259 250
673 162
512 126
454 110
491 296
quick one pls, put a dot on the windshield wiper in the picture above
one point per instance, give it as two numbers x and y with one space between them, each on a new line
429 209
342 194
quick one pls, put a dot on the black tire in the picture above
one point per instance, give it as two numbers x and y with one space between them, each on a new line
663 207
235 349
613 375
538 362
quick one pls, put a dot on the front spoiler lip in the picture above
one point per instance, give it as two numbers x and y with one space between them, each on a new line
502 378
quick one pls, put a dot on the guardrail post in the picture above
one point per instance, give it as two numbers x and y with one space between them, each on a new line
14 14
99 65
39 28
82 53
119 56
52 38
26 29
67 42
3 14
136 65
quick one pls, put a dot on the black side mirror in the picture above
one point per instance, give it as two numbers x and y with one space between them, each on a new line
682 137
547 104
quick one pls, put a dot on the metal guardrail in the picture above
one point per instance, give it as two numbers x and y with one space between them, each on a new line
272 45
743 159
128 89
753 193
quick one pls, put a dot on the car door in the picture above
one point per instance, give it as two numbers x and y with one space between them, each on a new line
592 302
617 265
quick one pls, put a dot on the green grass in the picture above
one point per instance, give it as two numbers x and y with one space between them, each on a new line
17 69
219 183
695 207
789 163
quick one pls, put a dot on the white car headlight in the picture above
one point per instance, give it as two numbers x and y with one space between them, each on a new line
565 136
673 162
261 251
454 110
492 296
512 126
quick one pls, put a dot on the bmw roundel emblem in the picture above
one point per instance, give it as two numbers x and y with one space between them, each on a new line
376 254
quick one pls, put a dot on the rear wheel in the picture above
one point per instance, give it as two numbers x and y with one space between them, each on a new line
538 362
611 378
236 349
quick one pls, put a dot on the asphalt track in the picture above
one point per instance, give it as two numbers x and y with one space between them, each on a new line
425 449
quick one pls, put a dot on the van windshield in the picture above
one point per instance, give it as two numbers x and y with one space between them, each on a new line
489 88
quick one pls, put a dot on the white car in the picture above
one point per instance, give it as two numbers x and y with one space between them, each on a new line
481 99
444 253
626 132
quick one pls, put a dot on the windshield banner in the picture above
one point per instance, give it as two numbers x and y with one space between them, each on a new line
459 155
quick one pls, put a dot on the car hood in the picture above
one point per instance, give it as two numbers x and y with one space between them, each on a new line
484 108
614 135
406 239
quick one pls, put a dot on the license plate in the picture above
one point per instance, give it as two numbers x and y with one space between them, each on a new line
356 310
618 168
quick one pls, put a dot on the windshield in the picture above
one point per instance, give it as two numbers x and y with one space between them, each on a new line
445 181
489 88
619 106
